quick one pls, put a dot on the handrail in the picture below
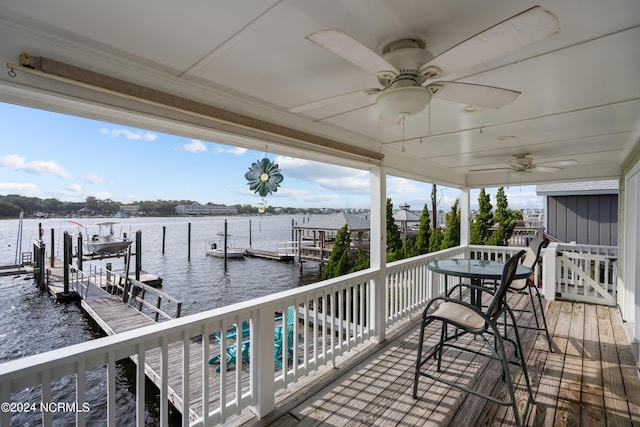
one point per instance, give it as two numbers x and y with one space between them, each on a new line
131 291
135 297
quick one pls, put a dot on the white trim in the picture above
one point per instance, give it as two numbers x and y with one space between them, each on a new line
630 298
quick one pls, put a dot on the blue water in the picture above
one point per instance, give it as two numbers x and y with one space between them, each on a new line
31 322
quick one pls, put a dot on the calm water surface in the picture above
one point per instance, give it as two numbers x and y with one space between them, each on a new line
31 322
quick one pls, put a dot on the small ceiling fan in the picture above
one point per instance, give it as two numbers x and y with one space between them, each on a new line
407 72
522 163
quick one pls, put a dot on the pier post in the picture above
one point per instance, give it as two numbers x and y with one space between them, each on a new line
39 257
164 234
225 245
250 233
189 242
138 253
80 251
51 254
66 260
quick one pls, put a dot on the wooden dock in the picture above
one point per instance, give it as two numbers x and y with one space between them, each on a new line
115 316
15 270
278 256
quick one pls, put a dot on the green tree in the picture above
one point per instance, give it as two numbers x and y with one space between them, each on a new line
339 263
435 241
408 248
451 235
506 220
394 241
362 261
8 210
480 227
424 233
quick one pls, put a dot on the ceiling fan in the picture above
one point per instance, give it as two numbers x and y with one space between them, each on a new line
407 72
522 163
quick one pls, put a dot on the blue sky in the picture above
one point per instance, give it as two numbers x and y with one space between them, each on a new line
45 154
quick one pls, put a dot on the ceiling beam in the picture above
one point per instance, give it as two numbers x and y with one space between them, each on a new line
241 124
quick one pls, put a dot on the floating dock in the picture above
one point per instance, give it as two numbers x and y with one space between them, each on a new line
261 253
15 270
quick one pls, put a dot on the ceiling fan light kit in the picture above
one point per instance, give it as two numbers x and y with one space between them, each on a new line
403 101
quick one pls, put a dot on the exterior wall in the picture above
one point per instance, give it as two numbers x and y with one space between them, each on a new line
629 293
584 219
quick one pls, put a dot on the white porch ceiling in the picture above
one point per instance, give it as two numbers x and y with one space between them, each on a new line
580 88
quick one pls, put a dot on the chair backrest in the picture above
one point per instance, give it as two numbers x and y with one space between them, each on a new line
533 252
530 260
508 273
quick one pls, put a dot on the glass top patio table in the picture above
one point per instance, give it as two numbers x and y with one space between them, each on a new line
477 270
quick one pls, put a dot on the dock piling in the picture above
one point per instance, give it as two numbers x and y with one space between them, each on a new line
51 254
189 242
164 234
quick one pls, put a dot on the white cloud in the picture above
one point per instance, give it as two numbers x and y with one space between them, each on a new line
71 191
130 135
74 188
222 149
237 151
295 195
21 188
195 146
95 179
328 177
102 195
38 167
402 185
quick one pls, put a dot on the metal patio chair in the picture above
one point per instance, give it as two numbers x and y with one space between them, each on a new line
470 319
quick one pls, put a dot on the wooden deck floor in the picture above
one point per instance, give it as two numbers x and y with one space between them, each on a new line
589 379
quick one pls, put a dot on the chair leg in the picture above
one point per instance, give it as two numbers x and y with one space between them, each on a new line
443 332
506 375
544 318
419 357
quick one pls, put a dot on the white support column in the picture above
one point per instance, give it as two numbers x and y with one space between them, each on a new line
549 271
378 252
464 215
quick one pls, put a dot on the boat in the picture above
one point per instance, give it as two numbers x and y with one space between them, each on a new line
214 249
106 242
217 249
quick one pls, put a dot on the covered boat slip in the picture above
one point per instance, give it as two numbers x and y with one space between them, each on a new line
589 379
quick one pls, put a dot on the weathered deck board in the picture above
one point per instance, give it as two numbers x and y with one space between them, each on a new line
592 392
589 379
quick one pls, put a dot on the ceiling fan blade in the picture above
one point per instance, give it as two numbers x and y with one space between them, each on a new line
387 120
540 168
516 32
489 169
345 97
350 49
559 163
472 94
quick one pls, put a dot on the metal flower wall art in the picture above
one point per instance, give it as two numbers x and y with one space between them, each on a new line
264 177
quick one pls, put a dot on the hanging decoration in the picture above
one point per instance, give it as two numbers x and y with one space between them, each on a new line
264 177
262 209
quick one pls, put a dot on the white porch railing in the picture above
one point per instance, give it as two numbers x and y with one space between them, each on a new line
332 317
